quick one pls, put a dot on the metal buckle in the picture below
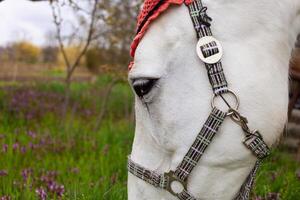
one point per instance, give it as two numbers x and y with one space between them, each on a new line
213 58
254 139
172 182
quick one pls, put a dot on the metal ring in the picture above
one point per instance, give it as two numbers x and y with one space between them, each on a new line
237 101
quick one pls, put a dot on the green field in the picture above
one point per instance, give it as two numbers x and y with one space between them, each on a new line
46 155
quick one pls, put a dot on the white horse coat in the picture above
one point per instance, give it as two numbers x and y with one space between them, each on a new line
257 38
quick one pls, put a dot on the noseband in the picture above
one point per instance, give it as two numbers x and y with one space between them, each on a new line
210 52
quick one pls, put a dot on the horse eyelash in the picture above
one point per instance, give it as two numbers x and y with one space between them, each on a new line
145 104
157 85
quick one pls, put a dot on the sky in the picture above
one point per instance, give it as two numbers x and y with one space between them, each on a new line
25 20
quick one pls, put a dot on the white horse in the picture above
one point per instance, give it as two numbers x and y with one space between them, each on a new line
257 38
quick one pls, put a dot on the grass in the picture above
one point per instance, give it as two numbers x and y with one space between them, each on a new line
69 159
90 165
280 176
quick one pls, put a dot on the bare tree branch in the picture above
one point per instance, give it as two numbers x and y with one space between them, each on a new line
88 39
56 14
73 63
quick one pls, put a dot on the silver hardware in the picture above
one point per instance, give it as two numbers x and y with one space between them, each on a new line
243 122
237 101
249 138
239 119
213 58
256 138
174 183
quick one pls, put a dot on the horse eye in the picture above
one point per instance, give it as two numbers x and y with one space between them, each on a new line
143 86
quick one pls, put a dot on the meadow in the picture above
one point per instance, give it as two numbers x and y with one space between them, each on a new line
80 155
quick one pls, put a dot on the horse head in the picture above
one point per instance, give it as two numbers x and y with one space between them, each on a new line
173 94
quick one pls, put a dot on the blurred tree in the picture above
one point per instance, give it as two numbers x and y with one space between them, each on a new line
110 51
122 25
24 52
93 60
120 21
50 54
72 51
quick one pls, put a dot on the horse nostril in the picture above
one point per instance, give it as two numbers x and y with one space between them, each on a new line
143 86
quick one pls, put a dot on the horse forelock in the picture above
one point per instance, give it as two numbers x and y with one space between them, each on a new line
152 9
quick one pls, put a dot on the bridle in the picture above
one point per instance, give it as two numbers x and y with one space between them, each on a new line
210 52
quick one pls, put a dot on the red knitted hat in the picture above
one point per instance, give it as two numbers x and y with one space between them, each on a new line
151 10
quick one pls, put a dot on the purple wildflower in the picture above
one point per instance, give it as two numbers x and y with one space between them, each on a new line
33 146
26 173
33 103
43 141
30 116
60 190
49 177
16 146
42 194
53 187
273 196
3 173
274 175
31 134
23 149
5 198
87 112
4 148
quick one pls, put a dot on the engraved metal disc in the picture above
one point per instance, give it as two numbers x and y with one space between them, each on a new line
211 59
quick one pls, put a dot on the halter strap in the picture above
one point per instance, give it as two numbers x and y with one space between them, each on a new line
162 181
204 138
253 140
202 23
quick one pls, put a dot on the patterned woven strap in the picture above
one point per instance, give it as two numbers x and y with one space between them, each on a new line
149 176
246 188
199 146
185 195
202 26
260 149
200 19
158 180
256 144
